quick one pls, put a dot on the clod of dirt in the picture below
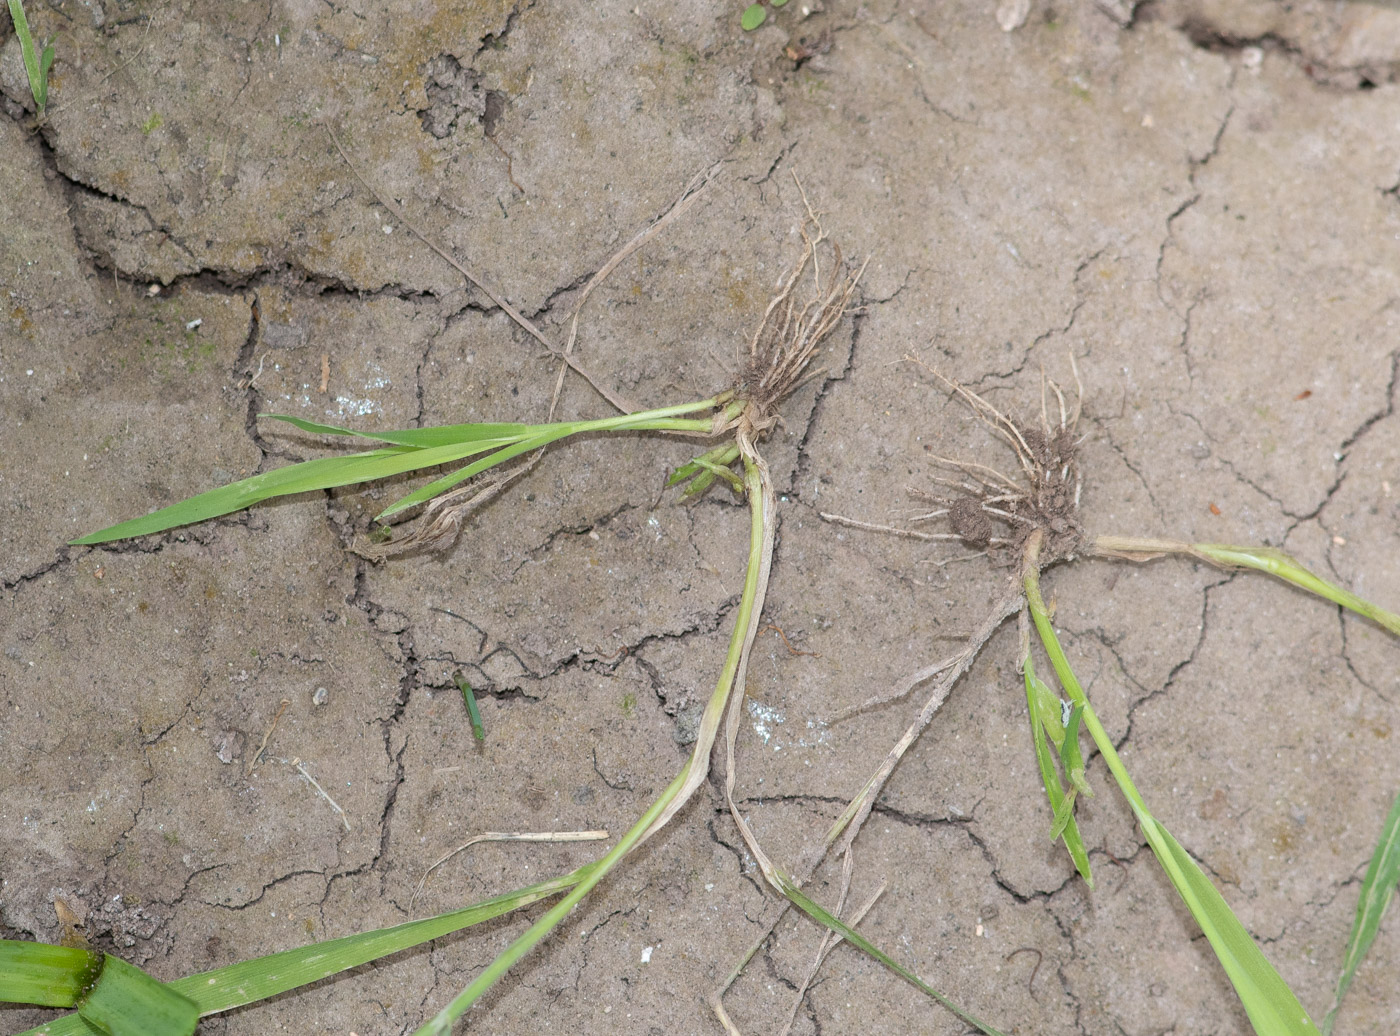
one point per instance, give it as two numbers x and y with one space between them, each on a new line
453 91
969 521
992 510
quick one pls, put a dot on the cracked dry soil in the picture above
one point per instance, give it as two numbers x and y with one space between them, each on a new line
1200 205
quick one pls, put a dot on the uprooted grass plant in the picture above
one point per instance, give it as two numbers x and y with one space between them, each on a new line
806 306
1034 523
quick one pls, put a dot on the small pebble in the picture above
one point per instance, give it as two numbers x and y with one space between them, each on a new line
319 698
228 745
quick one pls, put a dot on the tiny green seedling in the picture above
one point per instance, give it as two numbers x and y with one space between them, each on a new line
469 697
36 62
756 14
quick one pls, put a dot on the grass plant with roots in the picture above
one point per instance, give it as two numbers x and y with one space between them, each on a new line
1032 521
807 305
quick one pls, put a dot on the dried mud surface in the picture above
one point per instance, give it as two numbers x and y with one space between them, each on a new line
1197 201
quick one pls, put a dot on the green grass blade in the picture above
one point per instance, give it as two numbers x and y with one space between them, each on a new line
1272 1008
1377 890
1070 754
1063 815
1050 780
819 914
539 436
473 712
1285 566
126 1001
322 473
437 435
34 68
670 799
1046 704
416 448
441 1023
445 483
704 469
262 977
50 976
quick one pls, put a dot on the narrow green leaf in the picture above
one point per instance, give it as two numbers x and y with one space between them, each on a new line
50 976
800 900
675 793
682 473
1063 815
1272 1008
263 977
1070 755
1049 776
41 92
33 69
1270 1004
322 473
445 483
125 1001
1377 890
1050 780
416 448
698 486
436 435
709 464
1047 708
473 712
752 17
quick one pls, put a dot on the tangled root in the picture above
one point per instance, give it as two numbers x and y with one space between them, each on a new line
991 510
789 335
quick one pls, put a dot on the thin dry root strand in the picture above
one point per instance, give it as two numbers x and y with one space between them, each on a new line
789 335
442 517
892 530
506 836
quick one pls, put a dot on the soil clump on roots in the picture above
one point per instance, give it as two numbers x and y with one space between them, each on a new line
996 513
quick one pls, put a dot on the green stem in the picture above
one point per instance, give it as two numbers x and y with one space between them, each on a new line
670 800
534 437
662 419
1285 567
1040 615
1275 562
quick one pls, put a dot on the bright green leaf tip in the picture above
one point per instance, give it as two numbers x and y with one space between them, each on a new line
1377 889
753 17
